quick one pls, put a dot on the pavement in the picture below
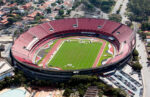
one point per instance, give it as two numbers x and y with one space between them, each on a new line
116 7
145 70
123 4
123 11
124 81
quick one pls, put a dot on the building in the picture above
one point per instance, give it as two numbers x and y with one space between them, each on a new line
92 91
25 46
6 70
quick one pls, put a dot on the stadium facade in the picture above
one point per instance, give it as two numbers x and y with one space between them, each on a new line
26 45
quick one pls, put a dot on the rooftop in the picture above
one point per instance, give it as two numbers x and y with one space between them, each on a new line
147 37
5 67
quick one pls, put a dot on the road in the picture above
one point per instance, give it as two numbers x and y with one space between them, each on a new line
145 70
123 4
123 11
116 7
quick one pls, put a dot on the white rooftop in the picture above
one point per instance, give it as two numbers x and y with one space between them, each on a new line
5 66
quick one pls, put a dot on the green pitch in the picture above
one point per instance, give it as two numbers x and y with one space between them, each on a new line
75 55
105 54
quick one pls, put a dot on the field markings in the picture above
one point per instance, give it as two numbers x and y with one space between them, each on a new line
100 53
50 53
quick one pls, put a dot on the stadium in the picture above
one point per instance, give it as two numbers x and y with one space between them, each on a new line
62 48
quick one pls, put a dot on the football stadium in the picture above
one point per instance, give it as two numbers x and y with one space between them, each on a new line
62 48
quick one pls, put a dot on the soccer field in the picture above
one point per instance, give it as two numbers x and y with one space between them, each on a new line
75 55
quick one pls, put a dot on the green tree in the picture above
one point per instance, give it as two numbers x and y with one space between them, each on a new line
140 10
53 4
104 5
61 12
67 92
137 66
11 20
115 17
1 2
135 52
48 10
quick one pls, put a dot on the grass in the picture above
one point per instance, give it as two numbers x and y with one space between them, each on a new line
80 55
104 55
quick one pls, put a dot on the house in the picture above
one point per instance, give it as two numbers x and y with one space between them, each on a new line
45 20
32 15
47 4
6 10
68 4
27 5
12 5
3 22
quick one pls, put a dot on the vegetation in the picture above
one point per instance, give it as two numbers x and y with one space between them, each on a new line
148 44
61 12
135 52
148 58
135 55
38 17
53 4
79 55
19 2
145 26
68 12
16 80
142 35
137 66
115 17
1 2
88 6
118 11
80 83
48 10
140 10
59 1
41 1
104 5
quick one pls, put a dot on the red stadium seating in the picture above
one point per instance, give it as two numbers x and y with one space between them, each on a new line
44 31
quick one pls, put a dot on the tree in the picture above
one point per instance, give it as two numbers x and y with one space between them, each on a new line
1 2
60 1
67 92
115 17
41 1
137 66
61 12
48 10
53 4
88 6
68 12
145 26
135 52
11 20
140 10
104 5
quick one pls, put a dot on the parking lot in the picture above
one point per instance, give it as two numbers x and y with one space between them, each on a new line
124 81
